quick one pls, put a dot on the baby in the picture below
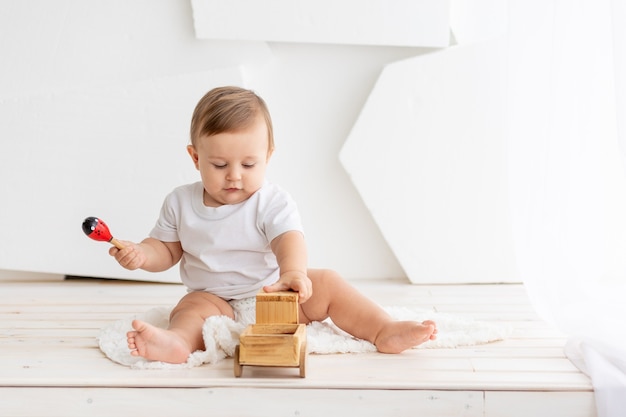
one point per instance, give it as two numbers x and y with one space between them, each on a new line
235 234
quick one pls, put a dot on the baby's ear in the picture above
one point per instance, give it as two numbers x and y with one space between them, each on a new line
194 154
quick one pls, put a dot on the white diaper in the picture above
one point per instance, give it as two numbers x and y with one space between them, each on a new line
245 310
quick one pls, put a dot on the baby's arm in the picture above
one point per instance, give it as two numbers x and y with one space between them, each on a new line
291 254
151 255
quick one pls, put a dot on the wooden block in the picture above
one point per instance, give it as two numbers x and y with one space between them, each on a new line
271 344
277 308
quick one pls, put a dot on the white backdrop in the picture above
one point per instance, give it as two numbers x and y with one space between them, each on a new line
95 100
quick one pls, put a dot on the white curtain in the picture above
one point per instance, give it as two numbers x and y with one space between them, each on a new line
567 137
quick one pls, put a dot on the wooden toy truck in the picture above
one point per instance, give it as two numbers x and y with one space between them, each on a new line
276 339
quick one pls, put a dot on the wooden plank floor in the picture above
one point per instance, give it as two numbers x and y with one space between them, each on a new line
50 363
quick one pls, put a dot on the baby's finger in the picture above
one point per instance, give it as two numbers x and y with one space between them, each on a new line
277 286
304 291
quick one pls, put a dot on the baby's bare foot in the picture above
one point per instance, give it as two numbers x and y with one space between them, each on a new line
156 344
398 336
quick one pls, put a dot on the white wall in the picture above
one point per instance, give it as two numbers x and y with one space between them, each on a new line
95 100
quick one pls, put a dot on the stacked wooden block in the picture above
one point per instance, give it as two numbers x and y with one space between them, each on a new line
276 339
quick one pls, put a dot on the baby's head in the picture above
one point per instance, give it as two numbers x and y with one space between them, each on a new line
228 109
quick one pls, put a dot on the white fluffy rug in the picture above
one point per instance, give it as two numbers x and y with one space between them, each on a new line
221 335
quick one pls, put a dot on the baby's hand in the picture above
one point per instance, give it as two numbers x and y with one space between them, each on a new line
295 281
131 257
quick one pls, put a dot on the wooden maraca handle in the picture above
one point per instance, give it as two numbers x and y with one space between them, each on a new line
116 243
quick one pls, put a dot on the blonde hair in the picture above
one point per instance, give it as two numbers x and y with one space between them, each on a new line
227 109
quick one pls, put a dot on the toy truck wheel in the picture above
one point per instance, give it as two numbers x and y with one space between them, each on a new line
237 367
303 360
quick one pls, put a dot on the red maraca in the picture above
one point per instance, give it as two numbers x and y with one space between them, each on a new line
98 230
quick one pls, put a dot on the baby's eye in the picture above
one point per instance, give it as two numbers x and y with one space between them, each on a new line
248 165
219 166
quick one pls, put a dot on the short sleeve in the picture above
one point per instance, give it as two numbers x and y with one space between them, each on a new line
166 227
278 213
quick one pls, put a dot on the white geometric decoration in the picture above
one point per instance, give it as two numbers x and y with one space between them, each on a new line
428 156
423 23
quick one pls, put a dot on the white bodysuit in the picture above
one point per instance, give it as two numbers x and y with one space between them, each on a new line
226 249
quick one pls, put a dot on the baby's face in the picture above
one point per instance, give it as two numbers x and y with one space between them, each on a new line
232 164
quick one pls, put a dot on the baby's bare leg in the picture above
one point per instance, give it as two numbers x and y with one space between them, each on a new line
361 317
184 333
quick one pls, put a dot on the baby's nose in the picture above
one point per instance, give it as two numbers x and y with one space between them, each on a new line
233 174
